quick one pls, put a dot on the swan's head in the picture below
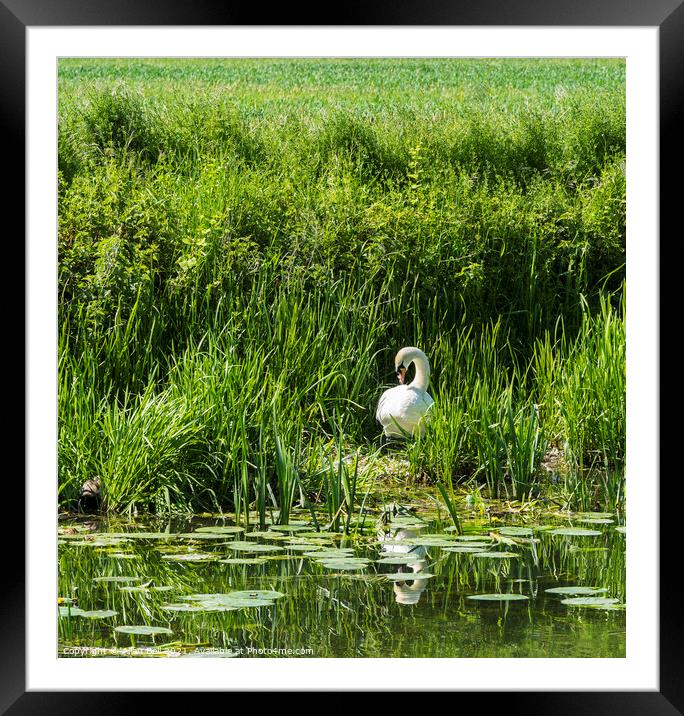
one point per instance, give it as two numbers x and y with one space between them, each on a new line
405 357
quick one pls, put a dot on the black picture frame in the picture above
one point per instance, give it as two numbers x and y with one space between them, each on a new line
668 15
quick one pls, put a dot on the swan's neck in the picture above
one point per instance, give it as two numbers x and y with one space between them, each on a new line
422 373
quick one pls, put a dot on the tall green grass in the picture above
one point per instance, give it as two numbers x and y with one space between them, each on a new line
583 386
232 418
239 260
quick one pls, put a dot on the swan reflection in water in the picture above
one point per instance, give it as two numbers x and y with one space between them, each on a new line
409 591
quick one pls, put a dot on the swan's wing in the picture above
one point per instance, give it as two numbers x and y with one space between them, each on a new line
416 410
382 414
388 413
400 410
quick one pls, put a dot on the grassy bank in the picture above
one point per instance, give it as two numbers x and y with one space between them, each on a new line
243 245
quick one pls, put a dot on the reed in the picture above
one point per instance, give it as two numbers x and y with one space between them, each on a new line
585 381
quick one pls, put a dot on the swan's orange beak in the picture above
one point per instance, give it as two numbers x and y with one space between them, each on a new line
401 374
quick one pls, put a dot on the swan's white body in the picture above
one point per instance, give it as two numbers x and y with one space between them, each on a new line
407 592
402 410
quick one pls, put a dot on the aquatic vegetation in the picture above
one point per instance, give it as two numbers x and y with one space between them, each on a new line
99 614
143 630
327 598
585 382
190 557
576 590
253 547
408 576
406 559
219 529
349 563
496 555
575 532
508 597
515 531
590 602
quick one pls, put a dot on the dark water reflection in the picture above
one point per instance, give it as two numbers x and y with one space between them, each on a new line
329 612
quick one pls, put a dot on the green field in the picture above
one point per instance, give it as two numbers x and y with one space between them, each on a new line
245 244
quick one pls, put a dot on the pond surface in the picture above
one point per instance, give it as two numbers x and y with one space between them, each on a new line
405 585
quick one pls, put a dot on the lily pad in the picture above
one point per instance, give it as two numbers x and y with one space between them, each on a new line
70 611
306 547
191 557
221 529
205 597
431 541
244 560
222 605
290 528
594 520
143 630
324 536
344 564
473 538
575 532
389 544
122 580
409 522
597 602
228 601
621 529
408 576
99 614
98 542
254 547
150 535
255 594
465 549
498 597
576 590
234 600
515 531
400 559
496 555
246 602
330 553
186 607
544 528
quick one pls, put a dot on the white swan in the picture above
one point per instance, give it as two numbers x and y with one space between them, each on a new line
401 410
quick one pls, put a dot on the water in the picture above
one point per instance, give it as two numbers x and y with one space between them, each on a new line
345 609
